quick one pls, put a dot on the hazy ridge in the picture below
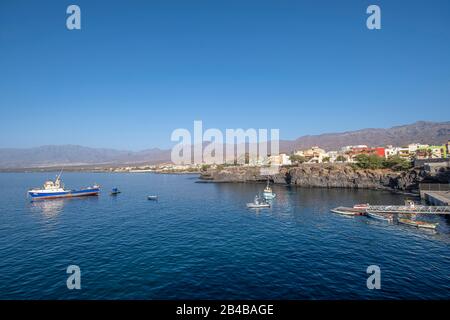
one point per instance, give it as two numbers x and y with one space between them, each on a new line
70 155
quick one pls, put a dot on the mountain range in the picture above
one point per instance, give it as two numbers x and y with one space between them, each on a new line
73 155
434 133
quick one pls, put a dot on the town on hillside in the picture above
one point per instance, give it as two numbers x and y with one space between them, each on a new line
400 157
351 154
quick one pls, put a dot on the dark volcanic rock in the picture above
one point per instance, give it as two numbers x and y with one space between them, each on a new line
324 175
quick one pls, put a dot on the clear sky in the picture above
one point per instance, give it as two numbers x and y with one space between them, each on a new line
137 70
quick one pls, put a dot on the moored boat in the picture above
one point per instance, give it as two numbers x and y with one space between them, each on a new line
115 191
258 204
418 224
382 217
348 211
152 197
55 190
267 193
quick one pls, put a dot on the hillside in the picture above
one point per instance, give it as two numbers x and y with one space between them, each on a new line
66 155
420 132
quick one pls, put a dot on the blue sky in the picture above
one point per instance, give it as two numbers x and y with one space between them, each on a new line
137 70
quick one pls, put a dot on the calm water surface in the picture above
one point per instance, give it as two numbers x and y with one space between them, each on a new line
200 242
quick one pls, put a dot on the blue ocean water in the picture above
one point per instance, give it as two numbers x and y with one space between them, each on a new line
199 241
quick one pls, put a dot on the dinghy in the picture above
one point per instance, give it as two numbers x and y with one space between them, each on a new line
115 192
348 211
382 217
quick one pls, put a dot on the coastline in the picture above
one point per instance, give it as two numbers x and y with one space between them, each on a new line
95 169
328 176
303 175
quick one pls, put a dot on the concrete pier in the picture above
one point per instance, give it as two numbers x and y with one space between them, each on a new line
437 198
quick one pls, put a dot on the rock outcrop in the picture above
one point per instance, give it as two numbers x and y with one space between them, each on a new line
324 175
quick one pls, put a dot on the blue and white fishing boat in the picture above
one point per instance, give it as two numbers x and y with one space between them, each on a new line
55 190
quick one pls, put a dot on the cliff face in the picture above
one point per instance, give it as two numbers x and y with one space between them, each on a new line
328 176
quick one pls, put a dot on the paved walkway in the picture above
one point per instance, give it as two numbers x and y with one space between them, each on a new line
441 198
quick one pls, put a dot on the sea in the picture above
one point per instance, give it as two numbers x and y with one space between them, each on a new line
199 241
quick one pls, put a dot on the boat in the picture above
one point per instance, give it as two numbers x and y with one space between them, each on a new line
152 197
115 192
382 217
267 193
55 190
258 204
418 224
348 211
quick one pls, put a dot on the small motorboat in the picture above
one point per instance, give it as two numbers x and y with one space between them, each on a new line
152 197
418 224
115 191
258 204
382 217
267 193
348 211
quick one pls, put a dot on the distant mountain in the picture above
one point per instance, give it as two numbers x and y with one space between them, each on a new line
72 155
420 132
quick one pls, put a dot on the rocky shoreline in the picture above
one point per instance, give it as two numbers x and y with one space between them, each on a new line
327 176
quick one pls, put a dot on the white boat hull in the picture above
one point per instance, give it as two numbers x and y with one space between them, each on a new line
379 217
269 196
257 206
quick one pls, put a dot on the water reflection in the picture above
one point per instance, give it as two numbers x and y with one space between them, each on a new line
202 236
296 202
49 208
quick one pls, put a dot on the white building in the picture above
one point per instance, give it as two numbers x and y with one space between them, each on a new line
405 152
333 155
312 155
413 147
349 148
280 160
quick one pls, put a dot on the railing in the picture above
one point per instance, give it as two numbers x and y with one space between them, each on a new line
417 209
434 187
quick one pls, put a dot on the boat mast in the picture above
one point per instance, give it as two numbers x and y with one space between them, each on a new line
59 175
